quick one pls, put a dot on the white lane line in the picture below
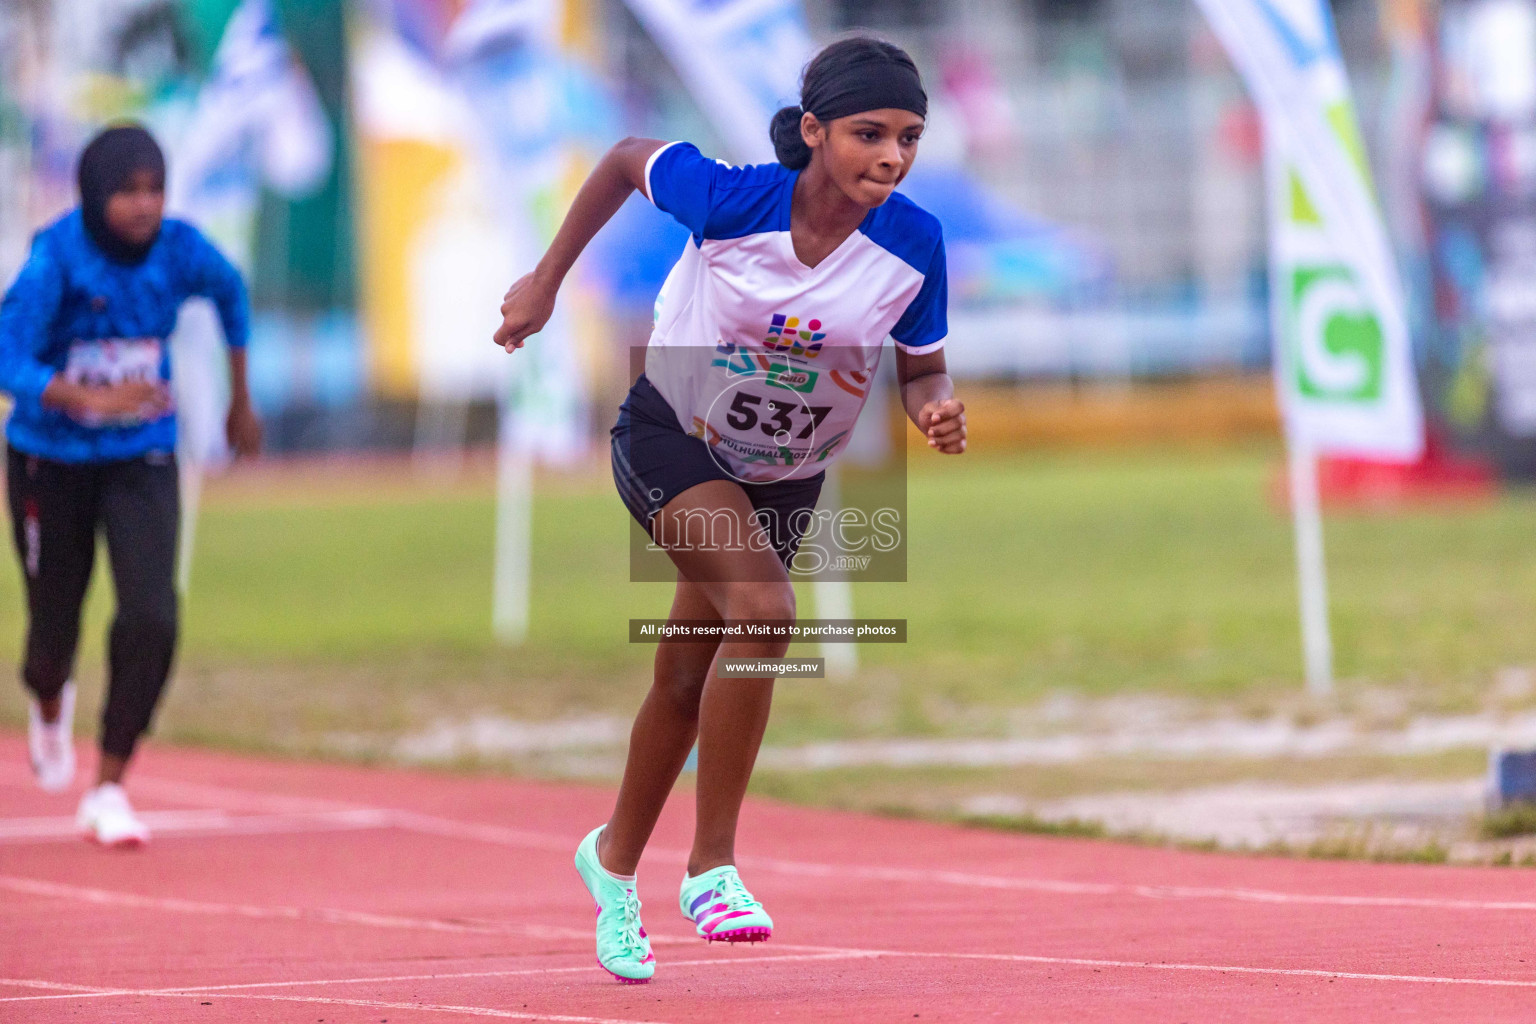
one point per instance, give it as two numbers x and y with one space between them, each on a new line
201 822
198 794
136 901
86 990
1073 961
847 954
105 897
1286 972
427 824
59 827
473 1011
1154 892
51 985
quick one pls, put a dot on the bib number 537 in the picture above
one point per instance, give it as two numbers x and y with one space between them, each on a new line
776 417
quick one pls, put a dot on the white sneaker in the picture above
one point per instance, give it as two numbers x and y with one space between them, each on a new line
107 818
51 745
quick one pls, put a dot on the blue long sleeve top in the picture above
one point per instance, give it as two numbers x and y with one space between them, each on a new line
73 311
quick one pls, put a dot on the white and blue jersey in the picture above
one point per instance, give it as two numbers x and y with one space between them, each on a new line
73 312
766 359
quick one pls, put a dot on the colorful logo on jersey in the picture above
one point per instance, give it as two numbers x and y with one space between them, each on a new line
785 335
791 378
855 382
733 360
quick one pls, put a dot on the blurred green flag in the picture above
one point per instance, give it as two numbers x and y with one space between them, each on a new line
1343 359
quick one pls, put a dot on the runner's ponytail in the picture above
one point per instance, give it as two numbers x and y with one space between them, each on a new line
788 144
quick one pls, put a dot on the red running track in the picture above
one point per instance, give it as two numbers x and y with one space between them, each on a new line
286 891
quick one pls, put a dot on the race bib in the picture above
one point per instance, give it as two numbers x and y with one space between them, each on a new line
773 415
112 361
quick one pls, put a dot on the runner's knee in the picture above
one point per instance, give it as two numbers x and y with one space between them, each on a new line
154 627
760 601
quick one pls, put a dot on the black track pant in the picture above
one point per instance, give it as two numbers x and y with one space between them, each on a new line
57 510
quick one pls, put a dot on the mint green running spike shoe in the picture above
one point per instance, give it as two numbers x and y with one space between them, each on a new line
721 908
622 948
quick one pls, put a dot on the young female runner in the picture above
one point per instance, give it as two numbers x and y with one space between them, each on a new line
92 441
766 333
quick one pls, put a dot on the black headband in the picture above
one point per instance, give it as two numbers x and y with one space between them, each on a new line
877 83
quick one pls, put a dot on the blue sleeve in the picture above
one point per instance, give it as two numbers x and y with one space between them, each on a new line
26 313
681 181
713 199
212 276
925 324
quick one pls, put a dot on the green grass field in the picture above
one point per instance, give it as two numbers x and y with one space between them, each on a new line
328 609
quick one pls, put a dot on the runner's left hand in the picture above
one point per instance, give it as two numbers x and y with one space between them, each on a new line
243 430
944 423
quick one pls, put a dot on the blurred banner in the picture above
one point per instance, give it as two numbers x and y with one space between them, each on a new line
433 259
1344 360
740 59
256 121
524 68
465 116
1479 182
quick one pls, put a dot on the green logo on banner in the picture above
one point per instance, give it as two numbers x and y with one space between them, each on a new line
1338 350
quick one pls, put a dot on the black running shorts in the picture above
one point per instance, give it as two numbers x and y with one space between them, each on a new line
655 460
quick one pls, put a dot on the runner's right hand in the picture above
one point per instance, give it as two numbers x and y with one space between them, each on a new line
528 305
